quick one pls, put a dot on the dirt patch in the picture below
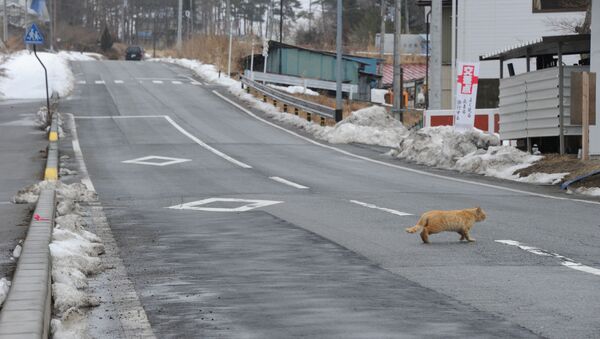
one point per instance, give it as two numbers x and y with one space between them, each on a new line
555 163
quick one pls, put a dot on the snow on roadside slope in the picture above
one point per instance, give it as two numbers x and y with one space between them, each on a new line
295 90
24 76
470 152
4 288
80 56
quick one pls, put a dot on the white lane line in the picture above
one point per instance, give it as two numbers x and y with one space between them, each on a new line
206 146
196 83
157 81
407 169
5 203
99 82
81 82
118 116
175 82
289 183
567 262
389 210
119 81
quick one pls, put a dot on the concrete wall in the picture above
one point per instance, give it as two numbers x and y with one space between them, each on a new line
486 26
595 67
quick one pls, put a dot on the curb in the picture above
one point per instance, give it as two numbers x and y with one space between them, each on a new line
27 309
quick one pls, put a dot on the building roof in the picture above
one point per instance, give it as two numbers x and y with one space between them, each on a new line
548 45
412 72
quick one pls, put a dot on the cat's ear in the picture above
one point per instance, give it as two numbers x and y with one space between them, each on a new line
478 208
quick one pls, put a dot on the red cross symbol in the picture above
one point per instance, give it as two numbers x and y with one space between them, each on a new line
467 79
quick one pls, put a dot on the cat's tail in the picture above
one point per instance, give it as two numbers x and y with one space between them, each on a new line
420 224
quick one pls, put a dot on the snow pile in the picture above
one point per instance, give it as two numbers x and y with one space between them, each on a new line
25 76
371 125
75 254
442 146
591 191
295 90
207 72
502 162
4 288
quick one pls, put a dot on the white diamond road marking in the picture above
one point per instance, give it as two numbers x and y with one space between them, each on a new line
567 262
247 205
147 161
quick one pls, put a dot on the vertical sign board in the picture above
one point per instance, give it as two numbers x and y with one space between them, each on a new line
466 95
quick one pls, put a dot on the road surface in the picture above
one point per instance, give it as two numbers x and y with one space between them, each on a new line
229 226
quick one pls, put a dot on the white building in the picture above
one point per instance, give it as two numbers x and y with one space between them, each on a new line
486 26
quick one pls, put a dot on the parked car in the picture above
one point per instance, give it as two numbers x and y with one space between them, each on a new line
134 53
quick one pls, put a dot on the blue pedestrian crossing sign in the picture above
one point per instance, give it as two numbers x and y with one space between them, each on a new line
33 36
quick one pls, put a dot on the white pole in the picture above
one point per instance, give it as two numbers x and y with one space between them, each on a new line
230 37
179 24
5 24
452 83
398 95
435 65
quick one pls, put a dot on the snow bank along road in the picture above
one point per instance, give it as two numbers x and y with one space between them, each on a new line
231 227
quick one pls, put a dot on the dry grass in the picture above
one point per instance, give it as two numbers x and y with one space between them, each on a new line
555 163
211 49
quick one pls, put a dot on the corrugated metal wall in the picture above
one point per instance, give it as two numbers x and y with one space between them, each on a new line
307 64
529 104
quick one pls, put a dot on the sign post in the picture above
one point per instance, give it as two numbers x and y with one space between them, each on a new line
466 96
34 37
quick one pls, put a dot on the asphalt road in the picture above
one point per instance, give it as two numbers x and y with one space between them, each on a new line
315 254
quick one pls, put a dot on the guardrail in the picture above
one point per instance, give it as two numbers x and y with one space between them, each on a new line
351 89
290 103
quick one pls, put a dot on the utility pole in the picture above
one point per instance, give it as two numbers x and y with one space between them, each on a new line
435 65
453 82
407 21
192 13
5 24
230 27
339 105
179 24
382 41
397 105
281 21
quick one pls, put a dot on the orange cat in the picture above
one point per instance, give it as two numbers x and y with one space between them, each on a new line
459 221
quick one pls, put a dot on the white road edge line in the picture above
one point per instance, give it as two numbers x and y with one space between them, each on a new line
389 210
119 81
206 146
567 262
407 169
5 203
79 155
289 183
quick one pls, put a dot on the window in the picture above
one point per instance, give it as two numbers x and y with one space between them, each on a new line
541 6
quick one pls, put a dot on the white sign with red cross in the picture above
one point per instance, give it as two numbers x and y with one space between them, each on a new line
466 95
